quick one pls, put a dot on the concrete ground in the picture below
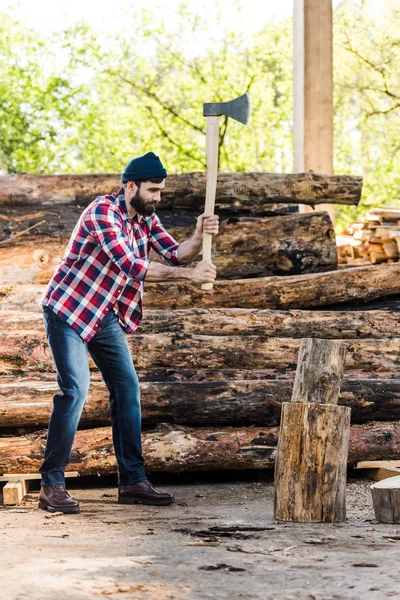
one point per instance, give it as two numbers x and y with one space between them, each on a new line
218 541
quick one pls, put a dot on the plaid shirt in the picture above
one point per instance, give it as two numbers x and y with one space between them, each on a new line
104 266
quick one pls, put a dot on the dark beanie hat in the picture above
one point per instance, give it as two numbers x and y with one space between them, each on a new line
144 167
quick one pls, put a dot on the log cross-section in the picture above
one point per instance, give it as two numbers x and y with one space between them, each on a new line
310 469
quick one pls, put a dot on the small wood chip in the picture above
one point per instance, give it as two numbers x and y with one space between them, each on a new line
202 543
364 564
55 514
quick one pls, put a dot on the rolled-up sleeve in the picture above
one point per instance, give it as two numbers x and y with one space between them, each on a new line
105 225
163 242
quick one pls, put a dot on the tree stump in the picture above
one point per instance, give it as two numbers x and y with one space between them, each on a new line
386 499
310 469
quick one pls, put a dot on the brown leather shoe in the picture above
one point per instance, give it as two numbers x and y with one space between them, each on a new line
55 498
143 493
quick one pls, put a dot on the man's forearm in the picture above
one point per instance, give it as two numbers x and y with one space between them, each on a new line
159 272
190 249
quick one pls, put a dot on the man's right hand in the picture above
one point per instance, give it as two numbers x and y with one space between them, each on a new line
204 272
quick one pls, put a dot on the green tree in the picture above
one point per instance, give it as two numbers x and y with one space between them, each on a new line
156 85
367 103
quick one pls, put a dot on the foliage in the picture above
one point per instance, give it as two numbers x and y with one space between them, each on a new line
159 86
34 100
367 103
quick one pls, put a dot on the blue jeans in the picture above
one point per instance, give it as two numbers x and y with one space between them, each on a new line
110 351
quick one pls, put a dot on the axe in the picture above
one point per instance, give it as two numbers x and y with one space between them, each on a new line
238 109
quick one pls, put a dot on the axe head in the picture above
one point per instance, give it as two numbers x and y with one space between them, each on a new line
238 109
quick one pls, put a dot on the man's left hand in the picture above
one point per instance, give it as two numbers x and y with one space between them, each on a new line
207 224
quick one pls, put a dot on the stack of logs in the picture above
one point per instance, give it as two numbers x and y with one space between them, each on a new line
214 367
376 240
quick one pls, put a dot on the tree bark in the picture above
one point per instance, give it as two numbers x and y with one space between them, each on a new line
205 401
361 284
185 449
248 248
251 191
241 321
28 351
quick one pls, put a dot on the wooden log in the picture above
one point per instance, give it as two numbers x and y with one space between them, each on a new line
301 291
165 449
186 449
386 500
207 400
310 470
319 371
242 321
28 351
249 190
57 222
295 244
311 460
359 284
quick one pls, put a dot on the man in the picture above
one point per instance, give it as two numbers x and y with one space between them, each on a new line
92 300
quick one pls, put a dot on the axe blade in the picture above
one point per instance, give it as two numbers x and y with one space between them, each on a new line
238 109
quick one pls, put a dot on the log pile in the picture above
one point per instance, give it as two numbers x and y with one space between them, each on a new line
374 241
214 367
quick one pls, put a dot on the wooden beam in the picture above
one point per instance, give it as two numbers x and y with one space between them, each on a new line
313 88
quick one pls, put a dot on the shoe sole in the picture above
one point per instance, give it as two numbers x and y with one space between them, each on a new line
147 502
69 511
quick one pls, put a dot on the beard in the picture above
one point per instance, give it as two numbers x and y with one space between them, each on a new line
142 208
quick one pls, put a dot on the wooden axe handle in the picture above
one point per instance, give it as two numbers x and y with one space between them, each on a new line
212 142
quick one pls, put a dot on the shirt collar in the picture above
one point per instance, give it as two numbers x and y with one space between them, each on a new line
122 204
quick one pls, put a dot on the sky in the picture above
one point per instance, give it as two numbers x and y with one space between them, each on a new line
50 15
107 15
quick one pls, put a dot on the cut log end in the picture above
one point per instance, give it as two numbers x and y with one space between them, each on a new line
386 500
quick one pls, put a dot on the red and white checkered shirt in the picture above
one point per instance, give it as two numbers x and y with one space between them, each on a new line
104 266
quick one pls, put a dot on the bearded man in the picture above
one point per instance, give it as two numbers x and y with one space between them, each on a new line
93 299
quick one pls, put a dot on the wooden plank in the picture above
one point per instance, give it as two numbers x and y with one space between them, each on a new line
378 464
379 469
31 476
380 474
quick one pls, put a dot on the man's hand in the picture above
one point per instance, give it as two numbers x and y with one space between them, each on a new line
204 272
207 224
